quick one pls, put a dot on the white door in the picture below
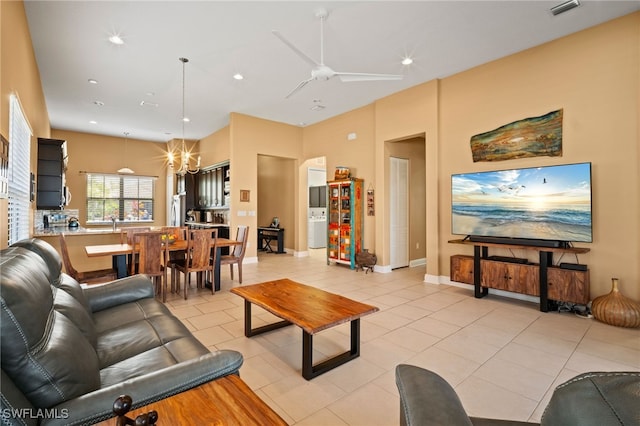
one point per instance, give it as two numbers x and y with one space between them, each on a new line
399 212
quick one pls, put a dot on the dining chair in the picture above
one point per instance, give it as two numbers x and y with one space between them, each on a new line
180 232
88 277
200 243
126 234
152 257
237 254
126 237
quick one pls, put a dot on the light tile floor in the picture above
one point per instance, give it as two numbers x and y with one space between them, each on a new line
503 356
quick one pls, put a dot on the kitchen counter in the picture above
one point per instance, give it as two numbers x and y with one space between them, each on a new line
206 225
57 230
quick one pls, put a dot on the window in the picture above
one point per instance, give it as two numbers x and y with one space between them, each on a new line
125 198
19 173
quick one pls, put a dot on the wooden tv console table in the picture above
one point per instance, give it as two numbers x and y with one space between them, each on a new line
543 279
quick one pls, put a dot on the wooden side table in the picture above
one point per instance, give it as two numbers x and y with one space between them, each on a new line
224 401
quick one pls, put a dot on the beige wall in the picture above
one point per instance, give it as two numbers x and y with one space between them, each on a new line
594 76
400 116
251 137
329 139
105 154
20 77
216 147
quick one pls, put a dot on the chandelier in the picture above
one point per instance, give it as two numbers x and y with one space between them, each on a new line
185 155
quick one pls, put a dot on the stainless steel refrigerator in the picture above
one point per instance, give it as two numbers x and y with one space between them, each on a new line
178 210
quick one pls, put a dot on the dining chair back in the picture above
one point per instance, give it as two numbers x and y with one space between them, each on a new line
200 243
126 237
126 234
237 254
179 231
89 277
152 256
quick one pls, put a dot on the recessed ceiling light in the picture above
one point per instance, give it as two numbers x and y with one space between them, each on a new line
147 103
116 39
186 119
151 94
93 81
93 122
407 61
238 76
99 103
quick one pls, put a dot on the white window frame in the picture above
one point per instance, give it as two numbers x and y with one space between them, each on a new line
19 173
121 200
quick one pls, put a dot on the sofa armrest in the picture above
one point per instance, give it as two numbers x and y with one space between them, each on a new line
596 398
427 399
98 405
118 292
16 409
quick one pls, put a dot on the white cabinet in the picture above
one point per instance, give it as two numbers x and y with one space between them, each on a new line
317 233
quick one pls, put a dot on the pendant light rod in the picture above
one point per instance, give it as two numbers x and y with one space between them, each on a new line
185 166
125 170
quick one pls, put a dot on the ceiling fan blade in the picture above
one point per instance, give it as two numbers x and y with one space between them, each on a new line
361 76
295 49
299 86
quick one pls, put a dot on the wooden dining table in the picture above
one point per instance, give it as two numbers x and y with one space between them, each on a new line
119 253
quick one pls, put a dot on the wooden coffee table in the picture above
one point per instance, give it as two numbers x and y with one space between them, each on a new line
309 308
224 401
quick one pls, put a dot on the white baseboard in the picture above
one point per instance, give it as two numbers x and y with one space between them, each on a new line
417 262
253 259
432 279
383 269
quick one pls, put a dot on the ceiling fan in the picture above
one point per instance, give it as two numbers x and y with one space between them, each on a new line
320 71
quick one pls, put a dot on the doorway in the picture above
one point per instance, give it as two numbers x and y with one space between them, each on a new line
407 201
317 207
276 198
399 212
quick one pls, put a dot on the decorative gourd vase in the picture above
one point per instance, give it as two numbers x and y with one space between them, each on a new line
616 309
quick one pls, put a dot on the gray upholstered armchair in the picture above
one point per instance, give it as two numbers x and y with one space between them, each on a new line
590 399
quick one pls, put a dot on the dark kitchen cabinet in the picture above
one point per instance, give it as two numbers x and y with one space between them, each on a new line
214 187
210 188
52 160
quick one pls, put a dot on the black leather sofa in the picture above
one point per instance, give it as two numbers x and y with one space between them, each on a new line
589 399
68 351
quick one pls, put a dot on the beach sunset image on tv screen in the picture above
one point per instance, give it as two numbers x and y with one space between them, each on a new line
544 203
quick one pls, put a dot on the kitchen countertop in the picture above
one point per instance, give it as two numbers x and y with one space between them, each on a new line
57 230
207 224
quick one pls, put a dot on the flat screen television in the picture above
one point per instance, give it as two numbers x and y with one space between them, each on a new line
540 206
